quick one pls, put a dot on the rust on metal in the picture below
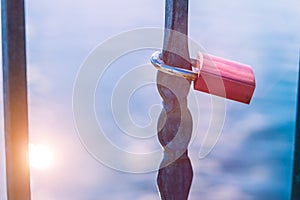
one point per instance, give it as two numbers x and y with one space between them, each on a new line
175 122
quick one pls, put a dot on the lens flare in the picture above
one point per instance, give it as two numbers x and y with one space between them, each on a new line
40 156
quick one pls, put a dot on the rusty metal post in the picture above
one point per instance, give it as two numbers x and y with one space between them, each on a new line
296 169
175 121
15 99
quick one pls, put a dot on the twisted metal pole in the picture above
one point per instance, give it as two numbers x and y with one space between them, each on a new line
175 122
15 99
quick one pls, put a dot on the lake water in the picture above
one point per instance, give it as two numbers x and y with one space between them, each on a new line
252 158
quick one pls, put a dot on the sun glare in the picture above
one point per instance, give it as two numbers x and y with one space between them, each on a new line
40 156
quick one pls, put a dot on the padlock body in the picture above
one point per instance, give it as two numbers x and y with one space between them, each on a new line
225 78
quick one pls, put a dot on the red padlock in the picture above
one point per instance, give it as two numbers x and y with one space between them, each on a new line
225 78
215 75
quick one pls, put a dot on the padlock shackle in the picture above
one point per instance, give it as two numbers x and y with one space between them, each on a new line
161 66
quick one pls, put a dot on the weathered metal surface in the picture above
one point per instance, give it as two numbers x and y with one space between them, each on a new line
175 121
15 99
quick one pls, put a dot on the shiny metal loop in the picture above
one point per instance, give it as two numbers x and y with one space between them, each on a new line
161 66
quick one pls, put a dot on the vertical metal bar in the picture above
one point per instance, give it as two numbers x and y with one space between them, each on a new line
175 122
175 50
15 99
296 169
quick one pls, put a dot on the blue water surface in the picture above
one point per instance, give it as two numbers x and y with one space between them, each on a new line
253 157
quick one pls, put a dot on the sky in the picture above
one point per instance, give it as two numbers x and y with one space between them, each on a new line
252 156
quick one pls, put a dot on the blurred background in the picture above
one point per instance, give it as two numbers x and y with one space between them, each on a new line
253 156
